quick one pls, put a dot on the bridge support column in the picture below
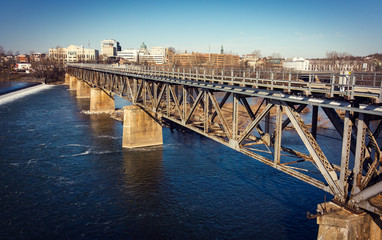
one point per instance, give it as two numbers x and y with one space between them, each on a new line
339 223
67 79
100 101
140 129
83 89
73 83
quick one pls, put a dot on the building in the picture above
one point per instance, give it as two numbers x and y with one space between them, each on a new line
154 55
159 51
21 58
251 59
110 48
23 67
130 55
205 59
73 54
37 57
151 59
58 54
299 64
80 54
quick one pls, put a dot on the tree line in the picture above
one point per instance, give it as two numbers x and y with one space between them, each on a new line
46 70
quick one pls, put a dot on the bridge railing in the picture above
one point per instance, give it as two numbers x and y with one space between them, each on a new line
346 84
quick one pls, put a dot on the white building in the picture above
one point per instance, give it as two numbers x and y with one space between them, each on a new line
73 54
80 54
158 51
130 55
23 67
110 47
155 55
295 63
148 58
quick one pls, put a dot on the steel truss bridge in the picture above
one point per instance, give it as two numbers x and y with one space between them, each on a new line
251 111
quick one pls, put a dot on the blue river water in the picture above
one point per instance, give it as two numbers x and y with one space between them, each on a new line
64 175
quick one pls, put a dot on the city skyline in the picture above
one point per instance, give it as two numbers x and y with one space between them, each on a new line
293 28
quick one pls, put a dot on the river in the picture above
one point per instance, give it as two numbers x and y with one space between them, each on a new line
64 175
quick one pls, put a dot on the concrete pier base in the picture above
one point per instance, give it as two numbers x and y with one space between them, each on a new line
100 101
83 89
139 129
67 79
343 225
73 83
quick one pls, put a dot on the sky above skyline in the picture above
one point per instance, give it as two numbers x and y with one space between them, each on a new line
291 28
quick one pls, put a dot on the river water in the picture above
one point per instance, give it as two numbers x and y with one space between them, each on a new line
64 175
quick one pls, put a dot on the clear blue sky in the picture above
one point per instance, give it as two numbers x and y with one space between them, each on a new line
290 28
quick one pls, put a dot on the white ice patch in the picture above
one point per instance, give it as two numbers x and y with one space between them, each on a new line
9 97
108 136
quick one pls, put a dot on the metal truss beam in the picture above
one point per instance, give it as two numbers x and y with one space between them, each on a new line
197 106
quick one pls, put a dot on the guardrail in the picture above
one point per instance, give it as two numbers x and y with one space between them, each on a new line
345 84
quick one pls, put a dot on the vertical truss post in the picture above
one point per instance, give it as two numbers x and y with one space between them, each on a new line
267 122
235 117
144 92
243 79
155 96
278 132
359 153
310 84
168 99
343 181
184 103
232 76
135 90
314 121
206 111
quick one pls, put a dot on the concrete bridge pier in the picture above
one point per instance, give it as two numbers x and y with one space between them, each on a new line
100 101
338 223
140 129
83 89
73 83
67 79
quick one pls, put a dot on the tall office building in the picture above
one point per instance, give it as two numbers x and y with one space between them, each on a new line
110 47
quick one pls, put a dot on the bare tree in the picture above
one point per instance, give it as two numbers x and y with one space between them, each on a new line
2 51
337 59
49 71
256 53
332 58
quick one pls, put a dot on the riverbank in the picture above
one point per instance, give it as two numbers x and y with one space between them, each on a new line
27 77
20 77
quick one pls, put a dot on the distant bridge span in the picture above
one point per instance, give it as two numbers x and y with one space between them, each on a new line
248 112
